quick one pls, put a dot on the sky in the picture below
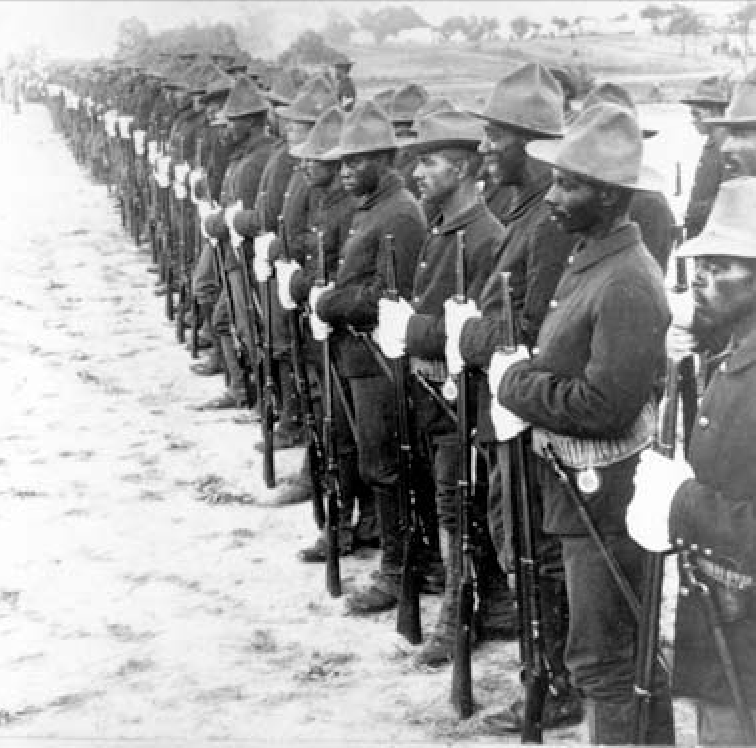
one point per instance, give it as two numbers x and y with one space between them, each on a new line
77 28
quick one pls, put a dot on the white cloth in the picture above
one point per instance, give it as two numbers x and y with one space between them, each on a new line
507 425
320 330
262 245
284 273
262 268
499 364
455 316
180 172
657 479
229 214
152 152
391 331
139 137
680 340
124 123
205 210
162 173
110 117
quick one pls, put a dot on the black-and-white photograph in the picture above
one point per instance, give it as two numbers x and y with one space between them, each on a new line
377 373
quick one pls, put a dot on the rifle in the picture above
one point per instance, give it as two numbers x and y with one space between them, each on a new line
198 249
314 443
461 694
408 622
182 267
268 395
152 198
536 670
333 495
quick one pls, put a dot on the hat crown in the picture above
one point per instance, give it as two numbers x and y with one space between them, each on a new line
406 101
282 89
367 128
316 96
325 134
384 99
447 126
244 99
714 90
610 92
743 103
604 143
529 98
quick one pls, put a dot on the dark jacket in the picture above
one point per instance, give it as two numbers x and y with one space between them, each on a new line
651 211
709 175
717 510
361 280
599 352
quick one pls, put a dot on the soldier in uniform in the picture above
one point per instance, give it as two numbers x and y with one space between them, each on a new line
367 148
708 505
588 393
710 99
346 94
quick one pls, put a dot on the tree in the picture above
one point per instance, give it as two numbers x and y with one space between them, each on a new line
309 48
742 18
337 28
685 22
560 23
654 12
390 20
520 26
132 38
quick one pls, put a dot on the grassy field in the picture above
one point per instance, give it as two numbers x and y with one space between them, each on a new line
465 72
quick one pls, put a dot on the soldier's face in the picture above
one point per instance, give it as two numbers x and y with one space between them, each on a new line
504 154
320 173
359 174
739 152
574 203
437 176
724 290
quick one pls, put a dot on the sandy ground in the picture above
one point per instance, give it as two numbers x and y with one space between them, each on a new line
133 605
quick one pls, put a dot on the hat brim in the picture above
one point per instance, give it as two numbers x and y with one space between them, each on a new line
527 130
427 146
649 179
693 101
337 153
288 112
730 122
303 151
248 113
276 100
714 243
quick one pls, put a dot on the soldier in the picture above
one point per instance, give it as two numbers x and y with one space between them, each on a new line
588 392
710 99
711 507
367 148
402 109
447 166
346 94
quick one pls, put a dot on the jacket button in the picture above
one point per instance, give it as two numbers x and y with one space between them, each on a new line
308 257
341 260
553 303
423 265
703 422
415 299
536 350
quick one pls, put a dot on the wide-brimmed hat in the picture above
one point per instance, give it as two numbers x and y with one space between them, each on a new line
367 129
405 102
741 111
283 89
731 227
616 94
712 91
528 99
200 75
603 144
344 63
447 129
244 99
219 85
323 137
316 96
566 80
384 98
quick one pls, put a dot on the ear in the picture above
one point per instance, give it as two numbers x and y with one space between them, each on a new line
608 197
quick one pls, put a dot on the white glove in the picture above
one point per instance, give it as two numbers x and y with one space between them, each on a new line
162 174
110 118
124 122
391 332
680 343
229 215
656 480
180 173
262 268
139 136
262 245
284 272
499 364
152 152
455 316
507 425
683 308
320 330
205 210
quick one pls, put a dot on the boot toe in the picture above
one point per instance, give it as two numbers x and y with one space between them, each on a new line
436 652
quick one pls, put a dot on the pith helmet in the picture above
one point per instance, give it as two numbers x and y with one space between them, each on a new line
244 99
742 109
367 129
603 144
731 227
528 99
323 137
316 96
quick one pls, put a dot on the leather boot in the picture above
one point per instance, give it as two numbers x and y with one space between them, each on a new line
211 366
439 649
236 376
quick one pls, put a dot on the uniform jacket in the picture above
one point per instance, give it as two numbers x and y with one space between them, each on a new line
651 211
709 175
361 279
599 351
534 250
716 510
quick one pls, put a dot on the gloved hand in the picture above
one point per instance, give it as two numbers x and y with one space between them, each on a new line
681 342
284 272
507 425
262 245
320 330
229 214
455 316
391 332
656 481
262 268
499 364
124 125
152 152
205 211
162 173
139 136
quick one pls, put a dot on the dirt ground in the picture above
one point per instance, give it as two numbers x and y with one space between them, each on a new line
146 591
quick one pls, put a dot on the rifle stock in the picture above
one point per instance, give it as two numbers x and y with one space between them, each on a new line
269 387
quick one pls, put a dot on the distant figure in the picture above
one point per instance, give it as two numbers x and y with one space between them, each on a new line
345 90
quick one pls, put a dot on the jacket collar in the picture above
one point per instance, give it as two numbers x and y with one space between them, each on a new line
388 184
526 197
593 251
458 222
742 357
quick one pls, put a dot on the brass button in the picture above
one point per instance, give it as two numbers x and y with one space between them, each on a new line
416 299
536 350
423 265
553 303
703 422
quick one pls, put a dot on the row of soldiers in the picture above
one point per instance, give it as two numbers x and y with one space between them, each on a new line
462 316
